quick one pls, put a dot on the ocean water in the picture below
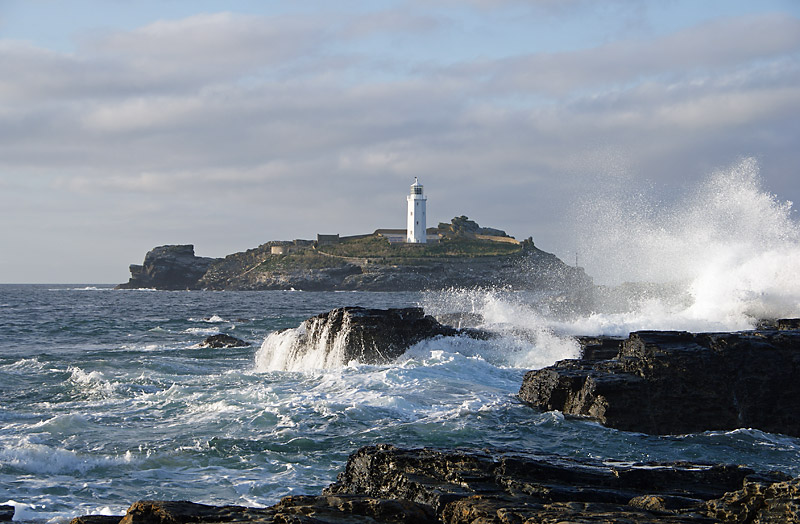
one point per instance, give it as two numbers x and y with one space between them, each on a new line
104 400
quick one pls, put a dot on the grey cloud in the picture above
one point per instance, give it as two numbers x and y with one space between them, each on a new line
395 21
715 46
261 136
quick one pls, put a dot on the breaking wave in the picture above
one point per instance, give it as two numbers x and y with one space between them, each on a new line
317 344
724 257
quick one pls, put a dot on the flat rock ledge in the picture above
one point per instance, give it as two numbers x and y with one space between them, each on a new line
675 382
384 484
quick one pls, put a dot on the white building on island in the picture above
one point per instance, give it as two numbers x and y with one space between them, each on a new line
416 231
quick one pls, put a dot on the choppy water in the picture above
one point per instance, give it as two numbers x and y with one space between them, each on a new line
105 401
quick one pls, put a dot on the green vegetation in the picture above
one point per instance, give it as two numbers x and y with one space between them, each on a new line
301 258
377 247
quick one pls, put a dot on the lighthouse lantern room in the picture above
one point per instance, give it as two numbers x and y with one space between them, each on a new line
416 232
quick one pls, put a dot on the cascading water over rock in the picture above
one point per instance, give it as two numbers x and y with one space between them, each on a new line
343 335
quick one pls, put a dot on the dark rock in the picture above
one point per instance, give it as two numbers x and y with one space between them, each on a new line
787 324
305 268
295 509
463 226
221 341
352 508
169 268
679 382
180 512
384 484
6 513
759 501
97 519
371 336
599 348
469 487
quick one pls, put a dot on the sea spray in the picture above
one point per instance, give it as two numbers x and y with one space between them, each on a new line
723 257
336 339
315 344
525 337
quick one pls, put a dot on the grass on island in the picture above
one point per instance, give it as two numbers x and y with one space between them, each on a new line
303 258
378 247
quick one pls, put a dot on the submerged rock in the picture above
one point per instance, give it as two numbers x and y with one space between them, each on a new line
6 513
671 382
222 341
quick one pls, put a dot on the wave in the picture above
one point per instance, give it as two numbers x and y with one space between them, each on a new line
314 346
29 456
722 258
213 319
203 331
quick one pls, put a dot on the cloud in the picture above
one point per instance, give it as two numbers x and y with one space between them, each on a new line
235 122
713 47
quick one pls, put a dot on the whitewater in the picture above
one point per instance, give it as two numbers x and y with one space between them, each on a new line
105 400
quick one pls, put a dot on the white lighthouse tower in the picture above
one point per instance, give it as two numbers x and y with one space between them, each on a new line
416 231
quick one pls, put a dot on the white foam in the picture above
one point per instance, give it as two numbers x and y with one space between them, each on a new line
300 349
202 331
213 319
732 247
33 457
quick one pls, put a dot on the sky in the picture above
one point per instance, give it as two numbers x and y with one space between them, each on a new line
128 125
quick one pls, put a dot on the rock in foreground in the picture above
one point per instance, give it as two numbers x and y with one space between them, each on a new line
677 382
384 484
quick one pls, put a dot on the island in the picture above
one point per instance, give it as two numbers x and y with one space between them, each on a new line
460 253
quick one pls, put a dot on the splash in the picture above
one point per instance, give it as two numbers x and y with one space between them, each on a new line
525 335
315 344
724 257
331 340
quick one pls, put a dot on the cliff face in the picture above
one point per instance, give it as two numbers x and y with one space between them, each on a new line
176 267
168 267
674 382
465 256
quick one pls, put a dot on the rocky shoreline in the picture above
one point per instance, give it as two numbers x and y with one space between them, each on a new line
175 267
655 382
385 484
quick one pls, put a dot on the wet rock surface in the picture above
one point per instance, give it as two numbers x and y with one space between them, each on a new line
6 513
375 336
384 484
222 341
670 382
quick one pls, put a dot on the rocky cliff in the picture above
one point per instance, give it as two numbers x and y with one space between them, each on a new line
465 258
668 382
168 267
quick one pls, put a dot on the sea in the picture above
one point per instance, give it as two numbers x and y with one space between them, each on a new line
106 398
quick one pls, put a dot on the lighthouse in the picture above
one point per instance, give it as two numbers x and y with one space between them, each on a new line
416 232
